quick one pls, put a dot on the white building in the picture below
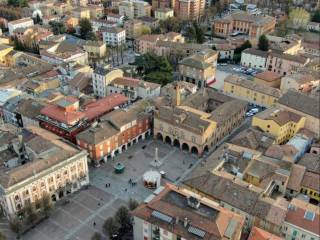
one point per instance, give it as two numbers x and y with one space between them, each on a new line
20 23
254 58
134 88
225 51
115 18
53 168
114 36
101 78
302 221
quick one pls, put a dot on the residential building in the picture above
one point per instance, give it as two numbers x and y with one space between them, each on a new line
313 27
161 4
163 13
114 36
250 91
20 23
4 51
284 64
150 22
267 78
200 68
67 118
116 132
116 18
102 77
176 213
310 185
302 221
81 12
260 234
97 51
304 81
281 124
44 166
134 8
200 122
254 58
96 11
5 95
289 45
244 23
225 51
189 9
64 52
134 28
305 105
133 89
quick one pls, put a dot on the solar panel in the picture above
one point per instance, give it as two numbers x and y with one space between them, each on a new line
309 215
196 231
162 216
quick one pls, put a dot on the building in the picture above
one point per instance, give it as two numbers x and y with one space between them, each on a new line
174 213
4 51
150 22
45 166
225 51
250 91
163 13
64 52
313 27
281 124
259 234
200 122
96 11
161 4
20 23
114 36
66 118
5 95
102 77
200 68
116 132
310 186
267 78
244 23
116 18
284 64
254 58
97 51
304 81
305 105
134 9
189 9
134 28
133 89
302 221
81 12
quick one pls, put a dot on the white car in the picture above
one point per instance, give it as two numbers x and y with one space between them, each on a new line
254 110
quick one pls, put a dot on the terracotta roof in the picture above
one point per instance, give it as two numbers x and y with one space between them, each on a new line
281 117
296 216
259 234
296 176
311 162
256 52
311 180
268 76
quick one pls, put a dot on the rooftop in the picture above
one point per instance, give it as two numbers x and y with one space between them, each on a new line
279 116
268 76
260 234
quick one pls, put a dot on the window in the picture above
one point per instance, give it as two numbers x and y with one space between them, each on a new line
193 139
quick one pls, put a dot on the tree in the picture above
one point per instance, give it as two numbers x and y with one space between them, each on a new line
85 28
57 27
245 45
31 214
316 16
2 236
111 227
15 226
46 204
133 204
96 236
299 17
37 19
18 3
123 217
195 33
263 43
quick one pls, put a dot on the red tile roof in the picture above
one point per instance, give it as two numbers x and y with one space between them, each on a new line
259 234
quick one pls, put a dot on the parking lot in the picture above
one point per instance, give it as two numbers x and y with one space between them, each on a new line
75 219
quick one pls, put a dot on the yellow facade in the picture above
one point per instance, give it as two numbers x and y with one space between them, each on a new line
311 193
250 95
252 179
4 50
282 132
163 15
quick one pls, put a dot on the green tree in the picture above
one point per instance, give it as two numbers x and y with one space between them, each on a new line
299 17
57 27
245 45
263 43
111 227
123 217
2 236
133 204
96 236
85 28
46 204
31 214
316 16
172 24
18 3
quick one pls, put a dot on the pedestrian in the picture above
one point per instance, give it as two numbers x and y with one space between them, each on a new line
94 224
109 184
106 185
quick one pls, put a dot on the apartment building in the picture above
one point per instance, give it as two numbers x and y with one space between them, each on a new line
199 68
97 51
133 28
176 213
245 23
303 81
252 92
254 58
189 9
268 78
44 166
20 23
161 4
113 36
134 9
163 13
116 131
102 77
281 124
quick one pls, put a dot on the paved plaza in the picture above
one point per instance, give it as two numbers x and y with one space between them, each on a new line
75 219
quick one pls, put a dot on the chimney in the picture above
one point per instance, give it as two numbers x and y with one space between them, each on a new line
185 223
178 95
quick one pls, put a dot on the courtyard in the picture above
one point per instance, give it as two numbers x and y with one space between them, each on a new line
75 219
